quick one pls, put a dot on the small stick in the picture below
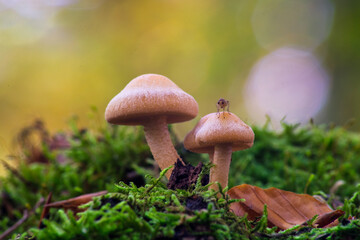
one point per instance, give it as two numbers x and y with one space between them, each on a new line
46 209
25 216
14 171
15 226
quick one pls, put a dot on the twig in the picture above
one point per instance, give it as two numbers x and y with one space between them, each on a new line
25 216
45 210
14 171
15 226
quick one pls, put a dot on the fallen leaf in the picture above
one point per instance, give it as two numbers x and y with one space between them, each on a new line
328 219
74 203
285 209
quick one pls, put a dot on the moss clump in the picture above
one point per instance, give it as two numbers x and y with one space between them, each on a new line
149 212
298 159
155 212
93 161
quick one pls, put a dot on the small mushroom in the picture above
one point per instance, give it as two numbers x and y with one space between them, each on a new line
153 101
219 136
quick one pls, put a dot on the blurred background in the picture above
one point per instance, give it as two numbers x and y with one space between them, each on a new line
289 60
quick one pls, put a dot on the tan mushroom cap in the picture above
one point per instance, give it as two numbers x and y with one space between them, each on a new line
219 128
151 95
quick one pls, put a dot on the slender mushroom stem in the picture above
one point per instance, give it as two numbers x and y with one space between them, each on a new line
220 172
158 138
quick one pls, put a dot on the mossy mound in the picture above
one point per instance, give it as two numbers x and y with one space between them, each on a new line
310 159
155 212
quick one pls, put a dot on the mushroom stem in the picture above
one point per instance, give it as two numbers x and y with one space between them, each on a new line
220 172
158 138
211 156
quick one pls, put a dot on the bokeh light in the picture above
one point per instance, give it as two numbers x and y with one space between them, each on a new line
60 57
26 21
304 23
287 84
23 22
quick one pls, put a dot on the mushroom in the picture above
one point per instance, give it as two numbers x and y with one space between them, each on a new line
153 101
219 136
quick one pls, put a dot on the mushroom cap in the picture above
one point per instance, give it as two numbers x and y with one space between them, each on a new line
151 95
219 129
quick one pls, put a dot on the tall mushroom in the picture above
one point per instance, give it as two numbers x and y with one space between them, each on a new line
219 134
153 101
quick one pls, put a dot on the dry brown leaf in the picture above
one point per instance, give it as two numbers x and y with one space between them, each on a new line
74 203
285 209
329 219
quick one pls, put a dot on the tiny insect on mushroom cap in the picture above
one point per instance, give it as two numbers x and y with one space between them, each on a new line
219 137
153 101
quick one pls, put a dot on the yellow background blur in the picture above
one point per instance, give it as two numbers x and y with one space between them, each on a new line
60 57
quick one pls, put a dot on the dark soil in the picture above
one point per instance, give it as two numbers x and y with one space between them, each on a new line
196 203
133 176
113 202
192 232
183 176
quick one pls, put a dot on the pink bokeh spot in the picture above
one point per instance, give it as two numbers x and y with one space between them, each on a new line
288 83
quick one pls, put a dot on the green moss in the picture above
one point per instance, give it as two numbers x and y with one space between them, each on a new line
298 159
155 212
94 161
148 212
